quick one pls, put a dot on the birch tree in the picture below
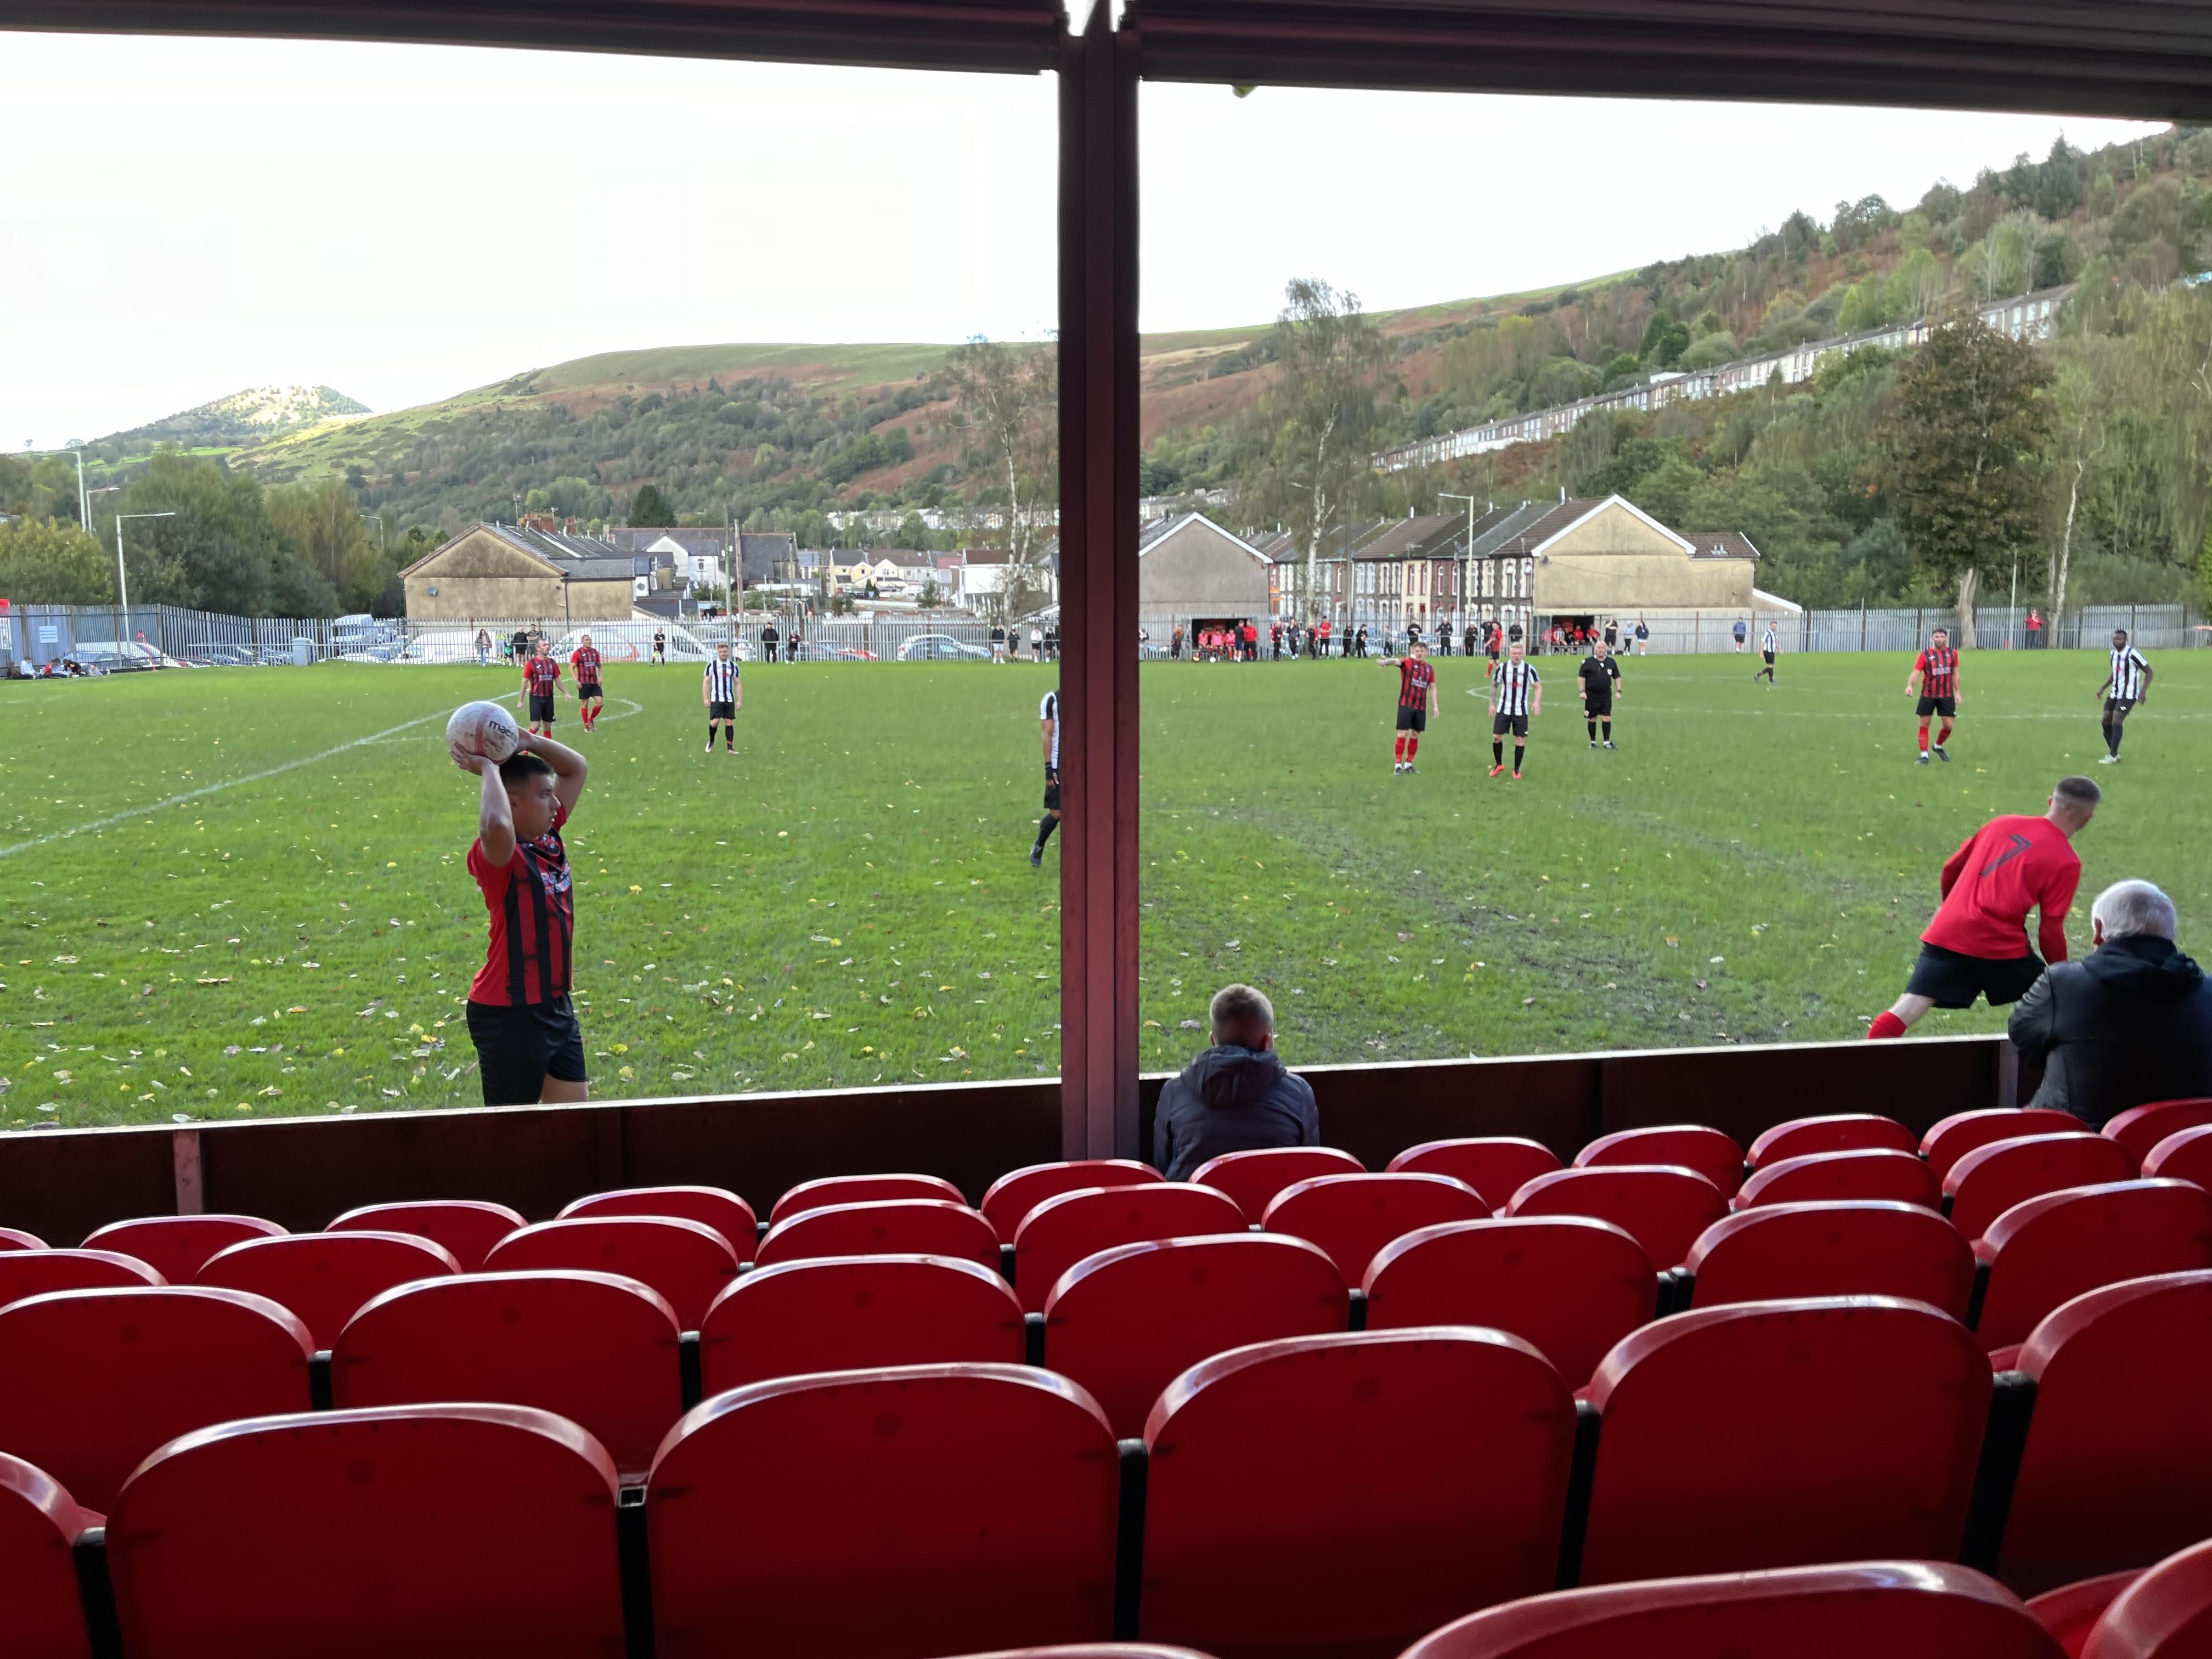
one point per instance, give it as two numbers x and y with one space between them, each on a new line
1009 401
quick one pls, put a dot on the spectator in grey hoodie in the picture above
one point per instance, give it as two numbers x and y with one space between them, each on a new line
1234 1098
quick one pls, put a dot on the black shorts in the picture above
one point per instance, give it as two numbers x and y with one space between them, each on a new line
1947 706
2116 708
1413 719
541 711
1052 789
519 1047
722 711
1501 724
588 691
1769 657
1951 979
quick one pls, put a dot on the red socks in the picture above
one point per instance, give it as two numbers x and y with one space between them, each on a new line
1924 739
1399 750
1413 745
1886 1025
1944 736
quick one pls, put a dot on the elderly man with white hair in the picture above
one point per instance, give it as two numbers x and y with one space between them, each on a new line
2129 1023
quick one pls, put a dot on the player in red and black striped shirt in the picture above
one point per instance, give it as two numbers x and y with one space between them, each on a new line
1935 681
1417 701
541 680
590 695
529 1046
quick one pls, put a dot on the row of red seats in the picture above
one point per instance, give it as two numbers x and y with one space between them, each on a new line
1333 1496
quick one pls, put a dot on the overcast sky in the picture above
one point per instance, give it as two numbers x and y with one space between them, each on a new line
188 217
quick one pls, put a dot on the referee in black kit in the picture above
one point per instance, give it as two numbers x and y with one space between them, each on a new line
1599 674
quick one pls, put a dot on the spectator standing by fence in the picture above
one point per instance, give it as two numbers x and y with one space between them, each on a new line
2033 626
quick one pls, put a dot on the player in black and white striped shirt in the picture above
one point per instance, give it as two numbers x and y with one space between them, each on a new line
724 694
2129 683
1049 732
1516 691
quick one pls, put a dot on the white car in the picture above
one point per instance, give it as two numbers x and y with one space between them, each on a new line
940 648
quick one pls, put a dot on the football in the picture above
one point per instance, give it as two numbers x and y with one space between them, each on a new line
484 728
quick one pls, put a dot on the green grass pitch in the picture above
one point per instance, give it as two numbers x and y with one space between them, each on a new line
241 891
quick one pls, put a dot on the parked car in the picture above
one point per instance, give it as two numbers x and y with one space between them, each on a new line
224 656
941 648
823 651
120 656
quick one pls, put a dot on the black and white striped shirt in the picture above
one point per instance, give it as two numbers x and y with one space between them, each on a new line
721 680
1049 710
1511 685
2128 669
1766 642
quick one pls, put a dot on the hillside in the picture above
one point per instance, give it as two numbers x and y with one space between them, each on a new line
244 417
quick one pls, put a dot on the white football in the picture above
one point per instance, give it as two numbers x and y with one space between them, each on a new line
484 728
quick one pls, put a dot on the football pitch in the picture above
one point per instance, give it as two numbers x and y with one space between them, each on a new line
241 891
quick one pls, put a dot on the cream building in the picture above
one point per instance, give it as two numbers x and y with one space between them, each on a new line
505 571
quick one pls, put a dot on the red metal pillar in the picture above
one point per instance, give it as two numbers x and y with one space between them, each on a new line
1098 458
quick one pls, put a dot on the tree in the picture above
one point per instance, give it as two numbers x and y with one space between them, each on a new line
1010 400
650 506
43 563
319 524
1966 440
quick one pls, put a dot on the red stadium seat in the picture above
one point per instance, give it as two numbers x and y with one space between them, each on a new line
35 1272
857 1313
1568 1286
2051 1249
2071 1611
1871 1610
41 1616
894 1226
1866 1415
326 1278
1497 1166
2184 1155
1340 1495
862 1189
2140 1129
1253 1179
92 1381
1009 1199
1837 1177
439 1532
885 1515
1989 1180
1845 1132
2166 1613
597 1349
1862 1247
1663 1208
684 1263
1060 1231
1689 1145
2116 1471
177 1246
14 1238
1352 1217
710 1207
466 1228
1128 1321
1959 1134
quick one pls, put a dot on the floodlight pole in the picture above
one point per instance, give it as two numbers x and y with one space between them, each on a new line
123 582
1467 553
84 509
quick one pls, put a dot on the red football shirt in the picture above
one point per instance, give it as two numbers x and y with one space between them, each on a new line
1415 679
2007 867
1939 671
585 659
543 674
532 904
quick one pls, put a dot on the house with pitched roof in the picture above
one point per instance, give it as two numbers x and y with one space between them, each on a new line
504 570
1191 572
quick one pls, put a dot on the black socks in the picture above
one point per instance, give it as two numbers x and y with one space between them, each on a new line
1046 825
1519 749
1607 724
1498 751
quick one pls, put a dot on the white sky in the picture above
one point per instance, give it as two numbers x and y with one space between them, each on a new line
190 217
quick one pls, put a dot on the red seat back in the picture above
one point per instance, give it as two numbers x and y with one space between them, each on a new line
92 1381
862 1189
1690 1146
2071 1611
1568 1286
2051 1249
1252 1180
857 1313
1834 1178
40 1614
36 1273
2184 1155
1128 1321
326 1278
466 1228
2117 1467
2166 1613
1497 1166
710 1207
1343 1494
597 1349
885 1515
1863 1248
1961 1133
1352 1216
14 1238
1867 1413
1662 1207
177 1246
441 1532
1060 1231
1845 1131
1899 1610
684 1263
2142 1128
890 1226
1989 1180
1008 1200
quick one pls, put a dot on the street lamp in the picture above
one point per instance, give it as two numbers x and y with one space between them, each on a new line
122 581
1467 555
76 448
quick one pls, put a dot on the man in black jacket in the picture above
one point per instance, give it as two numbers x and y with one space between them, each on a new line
1236 1096
2129 1023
